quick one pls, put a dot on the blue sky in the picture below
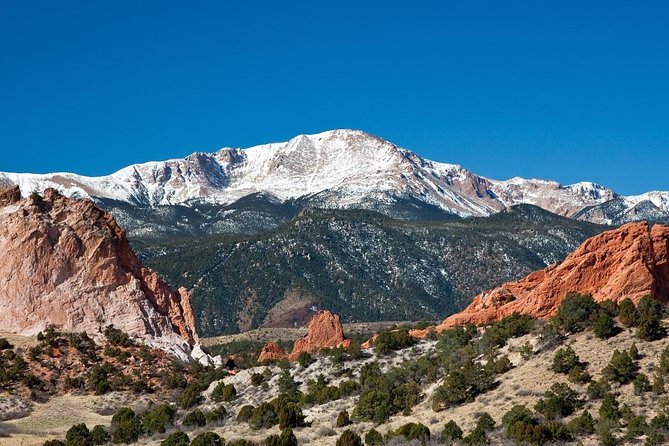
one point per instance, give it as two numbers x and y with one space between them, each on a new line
569 90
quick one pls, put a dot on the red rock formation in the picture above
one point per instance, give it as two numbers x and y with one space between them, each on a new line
369 343
272 351
631 261
324 331
68 263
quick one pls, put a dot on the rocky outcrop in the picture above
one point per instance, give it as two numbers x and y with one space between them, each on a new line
324 331
68 263
631 261
10 195
204 358
272 351
369 343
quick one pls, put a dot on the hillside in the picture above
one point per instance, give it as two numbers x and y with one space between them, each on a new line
361 265
597 387
602 362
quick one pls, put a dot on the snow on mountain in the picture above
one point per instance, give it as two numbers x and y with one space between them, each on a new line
336 169
551 195
652 206
658 198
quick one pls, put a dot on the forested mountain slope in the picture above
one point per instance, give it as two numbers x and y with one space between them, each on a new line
359 264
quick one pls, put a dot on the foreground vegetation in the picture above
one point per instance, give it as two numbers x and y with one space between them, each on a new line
398 392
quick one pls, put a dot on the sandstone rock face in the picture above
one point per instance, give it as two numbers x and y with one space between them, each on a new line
272 351
324 331
631 261
9 195
369 343
68 263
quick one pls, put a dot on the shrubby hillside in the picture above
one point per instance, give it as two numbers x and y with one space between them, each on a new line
595 373
361 265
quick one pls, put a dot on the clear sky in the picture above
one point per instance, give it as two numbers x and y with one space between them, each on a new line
567 90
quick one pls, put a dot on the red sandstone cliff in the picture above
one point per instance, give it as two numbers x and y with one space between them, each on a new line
631 261
272 351
68 263
324 331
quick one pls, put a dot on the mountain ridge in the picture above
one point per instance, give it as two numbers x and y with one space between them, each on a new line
342 169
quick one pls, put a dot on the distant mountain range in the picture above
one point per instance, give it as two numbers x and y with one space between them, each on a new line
261 187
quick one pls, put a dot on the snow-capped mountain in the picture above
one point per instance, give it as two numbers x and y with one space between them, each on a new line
652 206
334 169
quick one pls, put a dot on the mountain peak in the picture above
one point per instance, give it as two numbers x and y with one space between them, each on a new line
593 190
341 168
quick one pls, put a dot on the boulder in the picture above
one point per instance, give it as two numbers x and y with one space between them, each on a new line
200 356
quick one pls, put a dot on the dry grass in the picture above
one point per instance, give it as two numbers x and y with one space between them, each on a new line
53 419
20 341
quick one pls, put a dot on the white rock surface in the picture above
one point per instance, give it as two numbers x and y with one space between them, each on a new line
199 355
